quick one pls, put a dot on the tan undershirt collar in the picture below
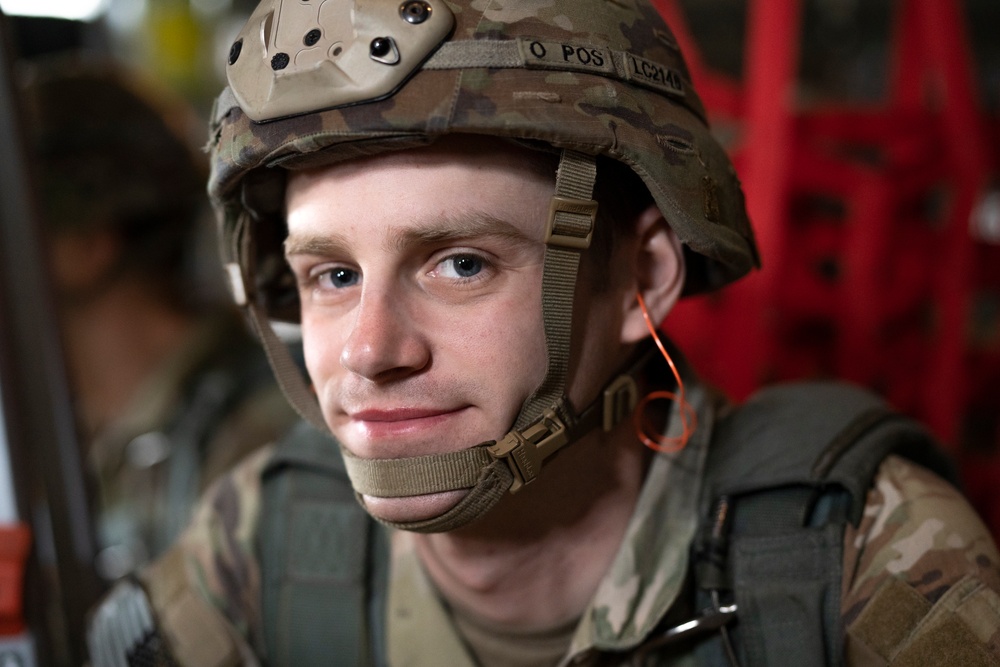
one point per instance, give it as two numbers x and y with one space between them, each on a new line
512 648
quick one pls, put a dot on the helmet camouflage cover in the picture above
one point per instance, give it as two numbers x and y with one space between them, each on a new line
313 83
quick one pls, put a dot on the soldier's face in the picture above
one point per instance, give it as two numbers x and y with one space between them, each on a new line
419 274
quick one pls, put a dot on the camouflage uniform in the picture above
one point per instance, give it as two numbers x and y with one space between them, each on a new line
208 406
918 535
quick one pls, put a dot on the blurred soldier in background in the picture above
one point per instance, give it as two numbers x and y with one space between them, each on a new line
170 388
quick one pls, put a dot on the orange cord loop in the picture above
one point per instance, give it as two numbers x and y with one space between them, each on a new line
689 418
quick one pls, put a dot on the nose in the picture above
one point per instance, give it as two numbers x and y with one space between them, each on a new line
385 342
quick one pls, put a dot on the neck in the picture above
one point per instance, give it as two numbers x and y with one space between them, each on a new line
536 559
113 342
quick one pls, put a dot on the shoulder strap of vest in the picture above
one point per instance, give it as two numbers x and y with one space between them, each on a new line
815 434
786 471
323 560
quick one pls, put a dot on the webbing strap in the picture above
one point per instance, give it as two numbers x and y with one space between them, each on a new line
544 54
433 473
474 53
786 582
785 473
493 483
568 228
495 473
318 552
286 371
417 475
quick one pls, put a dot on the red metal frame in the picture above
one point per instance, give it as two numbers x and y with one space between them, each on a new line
15 541
875 285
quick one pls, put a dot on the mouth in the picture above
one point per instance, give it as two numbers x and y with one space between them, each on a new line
383 424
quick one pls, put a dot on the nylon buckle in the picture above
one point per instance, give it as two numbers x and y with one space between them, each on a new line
525 451
574 207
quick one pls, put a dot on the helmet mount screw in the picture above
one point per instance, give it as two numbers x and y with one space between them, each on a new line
415 11
381 47
235 50
384 50
280 61
312 37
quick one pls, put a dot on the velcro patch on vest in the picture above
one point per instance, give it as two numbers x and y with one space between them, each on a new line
324 541
900 628
545 54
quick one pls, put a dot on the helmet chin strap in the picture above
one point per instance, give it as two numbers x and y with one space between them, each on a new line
546 421
491 469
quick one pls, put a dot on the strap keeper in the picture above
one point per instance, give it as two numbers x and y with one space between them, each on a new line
565 235
620 398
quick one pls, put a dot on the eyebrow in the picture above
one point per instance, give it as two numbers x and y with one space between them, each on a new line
315 244
445 230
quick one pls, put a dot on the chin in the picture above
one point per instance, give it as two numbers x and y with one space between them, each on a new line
412 508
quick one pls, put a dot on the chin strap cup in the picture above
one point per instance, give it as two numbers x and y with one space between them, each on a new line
493 483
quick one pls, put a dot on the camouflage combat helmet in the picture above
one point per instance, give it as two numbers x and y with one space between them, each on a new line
313 83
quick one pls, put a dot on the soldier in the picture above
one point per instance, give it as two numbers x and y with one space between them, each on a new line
485 208
170 388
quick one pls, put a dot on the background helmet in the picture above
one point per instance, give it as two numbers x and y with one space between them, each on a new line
316 83
112 153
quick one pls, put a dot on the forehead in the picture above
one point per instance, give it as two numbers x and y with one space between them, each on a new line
455 176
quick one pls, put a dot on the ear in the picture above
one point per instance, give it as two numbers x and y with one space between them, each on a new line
658 266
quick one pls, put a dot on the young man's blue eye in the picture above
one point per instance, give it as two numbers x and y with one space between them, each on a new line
344 277
467 266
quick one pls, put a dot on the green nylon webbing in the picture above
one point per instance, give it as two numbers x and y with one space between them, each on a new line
493 483
474 53
416 475
286 371
545 54
574 180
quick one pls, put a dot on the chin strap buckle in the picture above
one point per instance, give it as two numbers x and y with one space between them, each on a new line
524 451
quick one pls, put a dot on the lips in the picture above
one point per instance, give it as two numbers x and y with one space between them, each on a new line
392 424
398 414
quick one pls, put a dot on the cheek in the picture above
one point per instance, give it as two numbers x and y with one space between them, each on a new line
505 348
321 347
